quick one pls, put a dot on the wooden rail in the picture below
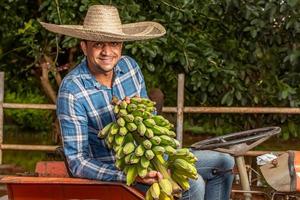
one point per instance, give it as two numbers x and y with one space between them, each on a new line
179 110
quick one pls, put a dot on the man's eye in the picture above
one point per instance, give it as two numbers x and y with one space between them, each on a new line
99 44
115 44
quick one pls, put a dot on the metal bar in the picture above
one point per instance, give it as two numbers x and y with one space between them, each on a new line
180 107
258 153
29 106
28 147
240 162
240 110
273 110
1 111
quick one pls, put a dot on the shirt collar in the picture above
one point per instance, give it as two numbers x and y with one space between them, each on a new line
90 81
119 65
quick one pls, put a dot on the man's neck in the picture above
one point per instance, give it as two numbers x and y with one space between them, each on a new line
105 79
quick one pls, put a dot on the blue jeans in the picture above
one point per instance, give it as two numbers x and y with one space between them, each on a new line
216 177
215 180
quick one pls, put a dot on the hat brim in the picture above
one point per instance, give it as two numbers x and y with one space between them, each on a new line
131 32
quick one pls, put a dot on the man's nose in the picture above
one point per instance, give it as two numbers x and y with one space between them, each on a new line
106 49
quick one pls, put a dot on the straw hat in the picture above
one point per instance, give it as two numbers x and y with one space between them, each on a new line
102 23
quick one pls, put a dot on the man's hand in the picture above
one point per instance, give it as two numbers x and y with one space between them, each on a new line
150 178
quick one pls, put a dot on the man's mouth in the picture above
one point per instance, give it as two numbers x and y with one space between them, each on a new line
106 59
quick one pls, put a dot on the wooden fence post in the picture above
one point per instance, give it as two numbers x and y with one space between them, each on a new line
180 106
1 112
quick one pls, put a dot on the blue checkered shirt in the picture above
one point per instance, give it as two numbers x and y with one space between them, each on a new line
84 107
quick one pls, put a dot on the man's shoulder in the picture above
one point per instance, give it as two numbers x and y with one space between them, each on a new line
127 62
73 78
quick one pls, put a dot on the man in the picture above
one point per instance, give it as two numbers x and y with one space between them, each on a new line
84 103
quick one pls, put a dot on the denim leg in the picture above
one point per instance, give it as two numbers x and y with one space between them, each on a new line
141 187
196 191
215 181
213 167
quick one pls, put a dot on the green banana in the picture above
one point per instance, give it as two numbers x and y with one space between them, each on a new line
123 131
131 175
147 115
170 150
155 190
119 139
144 162
157 130
158 150
147 102
114 129
183 165
134 159
127 159
119 154
110 139
160 120
164 196
121 122
150 109
131 127
103 133
166 186
116 147
147 144
122 112
141 129
123 104
181 180
149 154
135 100
149 123
138 119
148 195
149 133
120 164
128 118
139 151
128 148
182 152
155 140
142 172
185 173
131 107
116 109
166 140
138 113
172 134
141 106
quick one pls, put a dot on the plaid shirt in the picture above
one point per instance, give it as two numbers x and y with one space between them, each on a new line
84 107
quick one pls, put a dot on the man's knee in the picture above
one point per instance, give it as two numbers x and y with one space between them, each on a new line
196 191
227 161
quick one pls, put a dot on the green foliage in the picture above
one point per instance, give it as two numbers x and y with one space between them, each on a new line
29 118
233 52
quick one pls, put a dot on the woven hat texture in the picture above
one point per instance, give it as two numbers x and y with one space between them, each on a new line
102 23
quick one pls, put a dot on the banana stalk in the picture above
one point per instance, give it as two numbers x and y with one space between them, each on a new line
163 170
159 166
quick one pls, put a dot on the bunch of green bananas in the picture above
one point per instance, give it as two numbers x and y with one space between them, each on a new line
141 141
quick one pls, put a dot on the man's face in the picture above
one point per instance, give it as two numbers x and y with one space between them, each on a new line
102 56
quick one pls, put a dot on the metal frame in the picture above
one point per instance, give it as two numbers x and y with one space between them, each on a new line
179 110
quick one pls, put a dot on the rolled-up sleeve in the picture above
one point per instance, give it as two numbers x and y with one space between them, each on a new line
74 128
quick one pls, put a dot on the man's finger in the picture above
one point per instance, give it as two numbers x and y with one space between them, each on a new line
159 176
127 99
152 174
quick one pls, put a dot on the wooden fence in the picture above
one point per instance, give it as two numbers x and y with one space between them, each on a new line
179 110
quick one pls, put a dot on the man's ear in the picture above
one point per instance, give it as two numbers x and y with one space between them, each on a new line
83 47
